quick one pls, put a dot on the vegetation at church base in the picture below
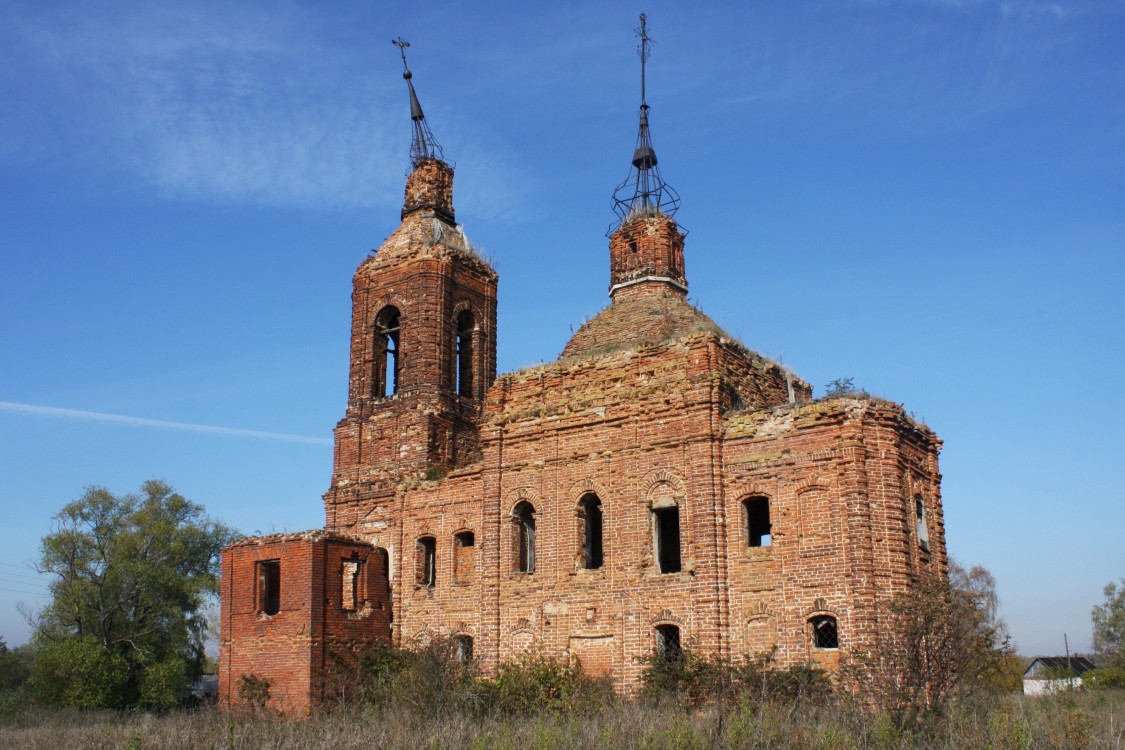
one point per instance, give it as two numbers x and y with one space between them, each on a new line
1078 721
431 697
436 678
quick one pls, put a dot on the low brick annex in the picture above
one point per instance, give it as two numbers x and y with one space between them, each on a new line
658 486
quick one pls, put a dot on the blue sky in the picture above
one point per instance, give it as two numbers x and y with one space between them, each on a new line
925 196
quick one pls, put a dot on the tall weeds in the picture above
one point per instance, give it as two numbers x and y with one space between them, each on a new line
1091 721
434 698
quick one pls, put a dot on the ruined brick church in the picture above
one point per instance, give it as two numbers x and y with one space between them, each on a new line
659 486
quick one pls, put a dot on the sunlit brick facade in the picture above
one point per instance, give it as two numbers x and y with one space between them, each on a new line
658 481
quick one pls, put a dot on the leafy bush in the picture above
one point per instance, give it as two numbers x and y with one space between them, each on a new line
162 684
14 667
1109 626
757 678
436 677
536 683
254 692
431 677
1104 679
694 681
79 672
938 643
684 677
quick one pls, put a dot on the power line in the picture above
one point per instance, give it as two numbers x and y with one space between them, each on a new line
35 577
20 591
17 582
25 566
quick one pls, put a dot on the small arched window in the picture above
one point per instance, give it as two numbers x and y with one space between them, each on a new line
523 515
824 632
426 562
463 346
463 648
668 646
756 511
387 353
590 510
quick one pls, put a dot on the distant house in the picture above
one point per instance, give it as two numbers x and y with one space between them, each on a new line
1051 674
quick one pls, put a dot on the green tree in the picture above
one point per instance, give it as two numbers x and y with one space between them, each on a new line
980 585
13 666
936 642
1109 626
125 625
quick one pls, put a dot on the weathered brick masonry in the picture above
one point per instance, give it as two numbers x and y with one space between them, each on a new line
658 484
295 605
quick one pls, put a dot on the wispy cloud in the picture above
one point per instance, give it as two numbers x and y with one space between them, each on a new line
248 103
95 416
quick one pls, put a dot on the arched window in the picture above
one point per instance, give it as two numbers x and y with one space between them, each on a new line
824 632
666 537
523 515
463 365
463 648
920 523
385 375
590 511
426 561
756 511
668 647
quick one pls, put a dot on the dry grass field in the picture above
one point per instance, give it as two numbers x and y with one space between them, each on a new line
1068 722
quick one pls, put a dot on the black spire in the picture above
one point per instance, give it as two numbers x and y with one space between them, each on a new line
644 192
424 146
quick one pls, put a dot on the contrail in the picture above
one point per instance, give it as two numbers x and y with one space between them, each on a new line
97 416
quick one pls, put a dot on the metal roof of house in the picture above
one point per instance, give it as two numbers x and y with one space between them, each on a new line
1078 664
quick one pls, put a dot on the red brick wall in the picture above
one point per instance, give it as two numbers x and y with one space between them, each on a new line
647 246
651 405
638 426
311 630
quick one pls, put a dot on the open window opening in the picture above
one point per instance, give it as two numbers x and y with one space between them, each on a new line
666 538
824 632
668 647
464 543
920 523
350 585
385 377
269 587
426 565
590 509
523 516
463 368
757 513
463 648
386 596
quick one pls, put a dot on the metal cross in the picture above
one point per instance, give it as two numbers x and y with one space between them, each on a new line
402 44
643 51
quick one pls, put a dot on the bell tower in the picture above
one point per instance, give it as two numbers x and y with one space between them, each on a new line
423 344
